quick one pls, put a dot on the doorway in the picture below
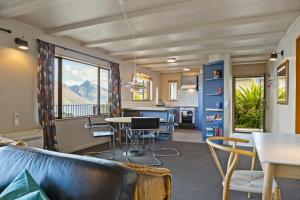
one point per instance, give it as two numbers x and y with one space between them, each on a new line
249 104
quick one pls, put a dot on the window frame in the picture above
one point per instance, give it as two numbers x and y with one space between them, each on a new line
149 93
169 87
60 86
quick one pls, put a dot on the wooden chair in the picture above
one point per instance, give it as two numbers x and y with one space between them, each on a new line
250 181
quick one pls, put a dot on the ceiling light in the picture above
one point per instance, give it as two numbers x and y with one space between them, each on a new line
22 44
186 69
274 55
171 60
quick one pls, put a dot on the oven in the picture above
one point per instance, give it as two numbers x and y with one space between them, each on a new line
187 116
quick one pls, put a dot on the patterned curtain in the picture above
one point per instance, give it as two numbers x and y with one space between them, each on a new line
45 94
115 90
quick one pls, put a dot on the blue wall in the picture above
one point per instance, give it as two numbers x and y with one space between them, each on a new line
210 99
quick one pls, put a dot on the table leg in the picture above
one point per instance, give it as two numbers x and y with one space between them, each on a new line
114 145
268 181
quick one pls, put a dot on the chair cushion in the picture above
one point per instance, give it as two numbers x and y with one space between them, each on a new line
102 133
148 136
248 181
23 187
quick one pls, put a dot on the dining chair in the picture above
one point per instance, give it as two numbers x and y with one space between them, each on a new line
250 181
101 130
167 128
141 129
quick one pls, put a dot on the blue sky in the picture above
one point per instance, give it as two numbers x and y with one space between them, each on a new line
75 73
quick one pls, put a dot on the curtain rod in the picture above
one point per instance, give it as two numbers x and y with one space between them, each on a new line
5 30
65 48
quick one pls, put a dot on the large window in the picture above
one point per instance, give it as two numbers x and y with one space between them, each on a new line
143 94
173 90
80 89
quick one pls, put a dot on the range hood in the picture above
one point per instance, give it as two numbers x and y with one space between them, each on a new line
189 82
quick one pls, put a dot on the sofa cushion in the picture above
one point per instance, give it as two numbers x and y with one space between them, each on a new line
6 141
23 187
65 176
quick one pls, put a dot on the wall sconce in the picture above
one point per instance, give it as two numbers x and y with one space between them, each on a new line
21 43
274 55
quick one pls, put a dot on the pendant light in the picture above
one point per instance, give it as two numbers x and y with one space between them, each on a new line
134 85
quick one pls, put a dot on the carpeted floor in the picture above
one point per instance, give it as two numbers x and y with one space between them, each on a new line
195 176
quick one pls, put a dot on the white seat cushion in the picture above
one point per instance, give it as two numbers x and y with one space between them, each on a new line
248 181
102 133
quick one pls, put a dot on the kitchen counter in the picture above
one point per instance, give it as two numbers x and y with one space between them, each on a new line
150 108
151 111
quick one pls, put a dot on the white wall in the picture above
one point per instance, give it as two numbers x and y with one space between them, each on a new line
281 118
127 71
18 85
185 97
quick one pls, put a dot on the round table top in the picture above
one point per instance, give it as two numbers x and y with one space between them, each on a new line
124 119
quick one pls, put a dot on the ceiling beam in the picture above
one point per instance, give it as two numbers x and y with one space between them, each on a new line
251 55
250 62
165 62
199 52
290 16
67 29
176 64
26 7
248 58
179 67
206 41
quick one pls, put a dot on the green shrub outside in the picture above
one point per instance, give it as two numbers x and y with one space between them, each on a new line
249 102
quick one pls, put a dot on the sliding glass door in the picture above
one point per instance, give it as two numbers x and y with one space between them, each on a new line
249 104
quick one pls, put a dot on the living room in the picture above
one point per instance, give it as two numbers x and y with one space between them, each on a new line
70 69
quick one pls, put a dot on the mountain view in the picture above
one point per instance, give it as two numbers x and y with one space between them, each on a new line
85 93
88 91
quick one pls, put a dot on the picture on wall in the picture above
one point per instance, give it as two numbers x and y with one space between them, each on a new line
283 82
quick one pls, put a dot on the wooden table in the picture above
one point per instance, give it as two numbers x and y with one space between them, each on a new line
279 156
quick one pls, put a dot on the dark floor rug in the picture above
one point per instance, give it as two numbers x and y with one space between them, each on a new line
196 177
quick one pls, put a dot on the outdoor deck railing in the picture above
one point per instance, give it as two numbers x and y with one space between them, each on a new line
81 110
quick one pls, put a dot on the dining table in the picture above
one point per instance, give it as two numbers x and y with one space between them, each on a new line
122 123
279 156
124 120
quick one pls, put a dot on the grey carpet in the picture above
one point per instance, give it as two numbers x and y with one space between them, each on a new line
195 175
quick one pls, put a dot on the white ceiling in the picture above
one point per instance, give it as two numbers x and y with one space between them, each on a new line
189 30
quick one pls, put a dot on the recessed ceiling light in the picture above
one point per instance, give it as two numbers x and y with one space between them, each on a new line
186 69
171 60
